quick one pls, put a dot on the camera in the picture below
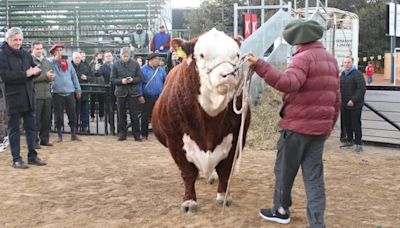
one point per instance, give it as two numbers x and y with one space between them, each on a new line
100 61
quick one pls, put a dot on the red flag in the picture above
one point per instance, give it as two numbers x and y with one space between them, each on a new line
247 28
254 23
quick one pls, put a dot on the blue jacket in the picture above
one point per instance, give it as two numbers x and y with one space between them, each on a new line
66 82
156 85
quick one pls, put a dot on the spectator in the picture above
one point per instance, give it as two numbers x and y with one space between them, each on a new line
176 55
66 90
95 65
352 88
140 61
369 71
126 76
161 41
153 78
3 120
85 75
43 96
140 40
311 101
17 70
105 71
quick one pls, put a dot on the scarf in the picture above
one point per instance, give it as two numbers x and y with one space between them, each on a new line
63 64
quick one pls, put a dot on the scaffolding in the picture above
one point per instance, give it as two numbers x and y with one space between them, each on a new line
77 23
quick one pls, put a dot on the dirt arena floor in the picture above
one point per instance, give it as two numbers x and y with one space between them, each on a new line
104 183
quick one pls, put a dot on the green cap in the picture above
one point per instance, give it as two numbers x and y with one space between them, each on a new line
301 31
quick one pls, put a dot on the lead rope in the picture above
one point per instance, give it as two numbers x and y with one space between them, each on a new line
244 89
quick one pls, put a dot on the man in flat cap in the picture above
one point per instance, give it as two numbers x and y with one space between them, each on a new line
311 102
65 90
153 78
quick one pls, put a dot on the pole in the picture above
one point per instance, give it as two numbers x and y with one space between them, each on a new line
306 9
393 45
235 20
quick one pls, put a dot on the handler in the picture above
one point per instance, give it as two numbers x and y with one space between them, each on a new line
310 87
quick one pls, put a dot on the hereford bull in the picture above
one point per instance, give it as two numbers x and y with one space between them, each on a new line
194 115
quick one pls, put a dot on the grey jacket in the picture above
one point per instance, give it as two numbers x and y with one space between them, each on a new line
41 83
122 70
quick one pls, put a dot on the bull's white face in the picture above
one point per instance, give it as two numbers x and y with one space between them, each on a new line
217 56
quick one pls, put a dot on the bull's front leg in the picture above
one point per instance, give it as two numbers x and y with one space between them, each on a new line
223 169
189 173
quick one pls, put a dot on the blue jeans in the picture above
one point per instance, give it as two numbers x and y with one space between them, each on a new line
30 134
82 112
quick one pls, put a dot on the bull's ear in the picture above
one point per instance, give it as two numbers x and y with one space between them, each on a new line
188 46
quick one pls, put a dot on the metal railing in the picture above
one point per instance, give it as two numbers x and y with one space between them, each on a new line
381 116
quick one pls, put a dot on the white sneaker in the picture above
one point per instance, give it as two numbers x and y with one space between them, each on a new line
5 142
2 147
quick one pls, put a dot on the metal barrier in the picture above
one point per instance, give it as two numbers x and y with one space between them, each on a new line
381 116
98 127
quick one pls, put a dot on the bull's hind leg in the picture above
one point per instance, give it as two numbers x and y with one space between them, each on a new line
189 175
223 170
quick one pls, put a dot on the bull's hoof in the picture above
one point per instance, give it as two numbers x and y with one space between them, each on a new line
220 200
189 206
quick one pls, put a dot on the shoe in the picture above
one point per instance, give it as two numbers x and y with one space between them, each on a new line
75 138
138 139
84 129
60 139
358 148
46 144
38 147
144 138
5 142
37 161
122 138
347 145
267 214
20 165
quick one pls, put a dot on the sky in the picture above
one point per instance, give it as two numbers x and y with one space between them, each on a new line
185 3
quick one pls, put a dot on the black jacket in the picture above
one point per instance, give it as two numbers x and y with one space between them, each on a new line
80 69
18 88
120 70
352 87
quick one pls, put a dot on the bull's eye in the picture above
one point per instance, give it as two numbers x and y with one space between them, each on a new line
202 56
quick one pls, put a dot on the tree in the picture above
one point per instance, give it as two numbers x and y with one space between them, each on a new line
217 13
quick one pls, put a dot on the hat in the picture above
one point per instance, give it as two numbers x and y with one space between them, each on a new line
301 31
152 55
57 45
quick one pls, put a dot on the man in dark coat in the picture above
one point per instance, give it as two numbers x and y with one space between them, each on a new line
126 76
17 70
85 76
352 89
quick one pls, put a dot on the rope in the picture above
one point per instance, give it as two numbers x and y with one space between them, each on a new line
244 89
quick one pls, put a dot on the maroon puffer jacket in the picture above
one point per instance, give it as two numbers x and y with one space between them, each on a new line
311 86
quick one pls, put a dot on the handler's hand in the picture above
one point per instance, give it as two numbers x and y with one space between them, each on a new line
78 95
350 103
141 100
252 59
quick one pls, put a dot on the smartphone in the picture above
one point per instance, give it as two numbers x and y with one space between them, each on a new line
64 57
100 61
